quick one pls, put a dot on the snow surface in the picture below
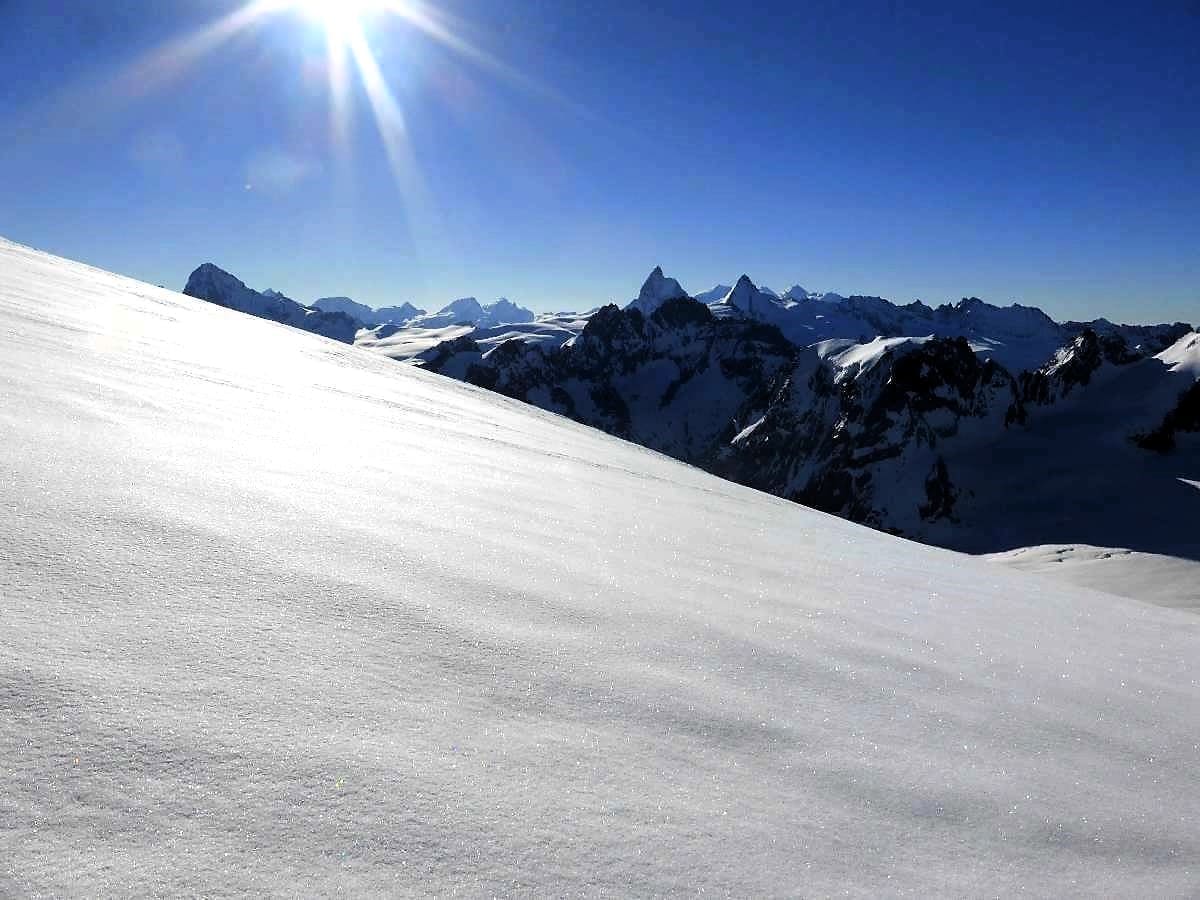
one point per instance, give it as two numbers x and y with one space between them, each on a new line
860 358
1152 577
1183 357
410 344
282 617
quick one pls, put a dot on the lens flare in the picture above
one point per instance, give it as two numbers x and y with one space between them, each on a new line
351 30
339 17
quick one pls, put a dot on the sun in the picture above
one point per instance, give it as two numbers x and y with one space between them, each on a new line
339 17
352 29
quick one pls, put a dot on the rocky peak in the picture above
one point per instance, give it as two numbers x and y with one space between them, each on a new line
743 296
656 290
215 285
504 312
212 283
465 309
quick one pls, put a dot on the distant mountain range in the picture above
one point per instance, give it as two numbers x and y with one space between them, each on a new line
341 318
389 315
968 425
217 286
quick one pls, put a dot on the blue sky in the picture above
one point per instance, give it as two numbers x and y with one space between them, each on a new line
1047 154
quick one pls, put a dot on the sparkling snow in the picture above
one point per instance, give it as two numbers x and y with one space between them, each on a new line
278 615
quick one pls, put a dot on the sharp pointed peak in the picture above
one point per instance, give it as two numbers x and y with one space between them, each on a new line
656 290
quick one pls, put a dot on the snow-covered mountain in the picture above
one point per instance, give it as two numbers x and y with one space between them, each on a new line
415 343
469 311
712 295
217 286
794 294
902 433
1019 337
900 430
656 290
388 315
283 617
673 381
744 299
342 318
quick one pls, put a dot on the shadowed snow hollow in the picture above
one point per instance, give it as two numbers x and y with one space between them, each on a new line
281 616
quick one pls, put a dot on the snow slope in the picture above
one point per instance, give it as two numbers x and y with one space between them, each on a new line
408 343
280 616
1152 577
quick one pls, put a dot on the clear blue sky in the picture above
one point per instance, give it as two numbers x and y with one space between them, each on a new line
1046 153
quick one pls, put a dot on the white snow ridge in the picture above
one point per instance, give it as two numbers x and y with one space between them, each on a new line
280 616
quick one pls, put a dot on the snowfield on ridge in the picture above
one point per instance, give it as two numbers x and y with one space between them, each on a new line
278 615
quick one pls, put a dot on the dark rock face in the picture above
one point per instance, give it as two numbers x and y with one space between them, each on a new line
1074 365
1144 340
1183 417
679 312
731 395
873 440
678 380
839 443
941 493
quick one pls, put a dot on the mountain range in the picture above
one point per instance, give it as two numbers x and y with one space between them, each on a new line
980 428
341 318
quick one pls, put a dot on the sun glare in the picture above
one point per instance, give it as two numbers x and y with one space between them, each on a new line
340 17
352 30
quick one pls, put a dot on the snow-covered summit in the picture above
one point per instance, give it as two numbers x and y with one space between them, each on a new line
469 311
397 315
656 290
465 309
1183 355
388 315
748 299
504 311
713 294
